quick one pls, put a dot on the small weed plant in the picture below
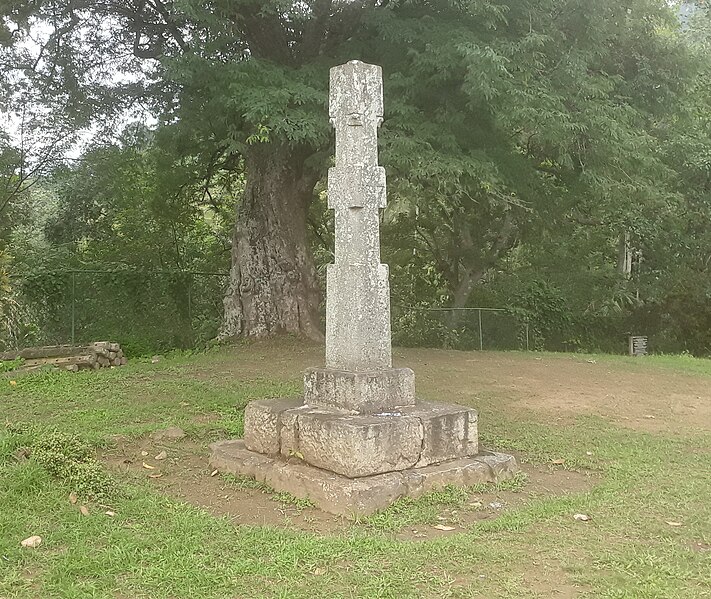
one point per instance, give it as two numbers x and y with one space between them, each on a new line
65 456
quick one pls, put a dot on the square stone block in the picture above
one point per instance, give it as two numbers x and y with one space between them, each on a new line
263 423
362 392
359 445
449 431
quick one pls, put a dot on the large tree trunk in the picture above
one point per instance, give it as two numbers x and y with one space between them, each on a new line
273 285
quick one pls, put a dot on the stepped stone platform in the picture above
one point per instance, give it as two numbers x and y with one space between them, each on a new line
355 463
345 496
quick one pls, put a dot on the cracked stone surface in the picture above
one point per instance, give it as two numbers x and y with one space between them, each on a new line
356 445
357 288
363 392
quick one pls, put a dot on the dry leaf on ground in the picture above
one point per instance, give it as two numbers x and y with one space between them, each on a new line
84 510
161 456
73 498
148 466
672 523
443 527
582 517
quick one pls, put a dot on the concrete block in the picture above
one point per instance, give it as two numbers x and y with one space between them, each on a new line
359 445
362 392
449 431
262 423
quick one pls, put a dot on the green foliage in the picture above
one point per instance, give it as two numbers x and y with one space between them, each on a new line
66 457
521 141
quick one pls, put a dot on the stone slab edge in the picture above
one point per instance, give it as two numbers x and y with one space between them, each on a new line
344 496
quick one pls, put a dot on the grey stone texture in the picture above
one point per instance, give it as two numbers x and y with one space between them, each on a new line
262 423
344 496
355 445
364 392
359 445
357 289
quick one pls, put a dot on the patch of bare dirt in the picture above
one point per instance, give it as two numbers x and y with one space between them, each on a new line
648 399
184 475
566 386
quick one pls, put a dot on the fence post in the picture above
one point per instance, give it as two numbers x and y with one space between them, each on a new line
481 335
74 287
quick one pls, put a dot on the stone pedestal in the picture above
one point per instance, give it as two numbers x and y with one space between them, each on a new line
358 439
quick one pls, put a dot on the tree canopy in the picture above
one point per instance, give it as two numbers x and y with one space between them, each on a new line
527 144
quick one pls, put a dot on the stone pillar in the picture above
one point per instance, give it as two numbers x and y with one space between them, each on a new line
357 290
358 440
358 375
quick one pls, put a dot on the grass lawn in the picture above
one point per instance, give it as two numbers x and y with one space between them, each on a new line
633 437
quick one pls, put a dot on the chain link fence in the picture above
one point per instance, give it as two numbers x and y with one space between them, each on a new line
145 311
475 328
152 311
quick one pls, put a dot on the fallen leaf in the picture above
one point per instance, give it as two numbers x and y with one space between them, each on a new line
650 416
161 456
558 462
32 542
72 497
155 475
84 510
110 513
674 523
582 517
144 453
13 383
588 453
148 466
496 505
443 527
319 571
214 473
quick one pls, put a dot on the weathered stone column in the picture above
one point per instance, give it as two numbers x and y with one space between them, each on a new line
358 375
358 294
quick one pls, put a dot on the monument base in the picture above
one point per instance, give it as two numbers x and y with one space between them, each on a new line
360 496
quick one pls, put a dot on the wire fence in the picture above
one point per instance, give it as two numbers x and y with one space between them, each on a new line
146 311
158 310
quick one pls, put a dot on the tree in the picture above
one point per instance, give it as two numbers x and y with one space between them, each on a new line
499 116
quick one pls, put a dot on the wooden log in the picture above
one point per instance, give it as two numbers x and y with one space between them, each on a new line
49 351
124 361
87 360
114 347
103 362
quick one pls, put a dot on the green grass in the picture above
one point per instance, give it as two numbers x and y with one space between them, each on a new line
156 547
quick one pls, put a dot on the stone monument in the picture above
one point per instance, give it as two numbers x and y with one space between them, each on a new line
358 439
